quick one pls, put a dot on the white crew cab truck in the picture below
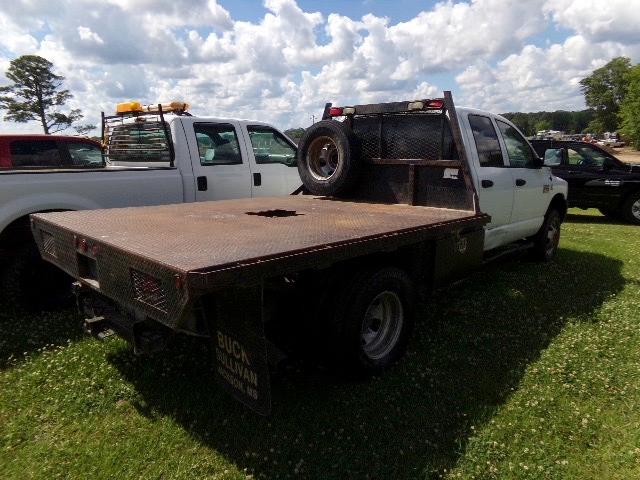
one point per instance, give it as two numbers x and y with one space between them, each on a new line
154 155
401 194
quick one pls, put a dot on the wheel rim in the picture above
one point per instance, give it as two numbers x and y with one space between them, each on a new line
553 236
382 325
635 209
323 158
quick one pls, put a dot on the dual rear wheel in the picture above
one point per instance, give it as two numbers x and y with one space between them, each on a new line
372 321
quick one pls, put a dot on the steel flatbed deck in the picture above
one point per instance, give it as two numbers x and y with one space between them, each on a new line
211 242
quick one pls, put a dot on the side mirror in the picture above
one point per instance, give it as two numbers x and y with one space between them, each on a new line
552 157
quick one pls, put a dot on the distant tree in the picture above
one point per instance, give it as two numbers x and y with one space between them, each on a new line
84 129
36 94
569 122
543 124
294 133
603 91
630 108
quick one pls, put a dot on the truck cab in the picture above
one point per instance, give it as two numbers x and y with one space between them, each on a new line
222 158
513 185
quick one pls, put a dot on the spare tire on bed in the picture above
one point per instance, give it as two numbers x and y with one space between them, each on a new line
326 160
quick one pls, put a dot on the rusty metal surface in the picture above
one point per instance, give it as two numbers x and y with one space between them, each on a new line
211 235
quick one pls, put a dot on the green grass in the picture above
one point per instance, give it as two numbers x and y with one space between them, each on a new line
522 371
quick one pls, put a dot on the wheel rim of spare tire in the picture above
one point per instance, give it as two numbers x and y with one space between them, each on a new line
382 325
323 158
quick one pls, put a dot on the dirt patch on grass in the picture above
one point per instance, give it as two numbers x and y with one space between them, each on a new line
627 154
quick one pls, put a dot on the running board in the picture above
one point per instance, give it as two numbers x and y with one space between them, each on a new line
509 250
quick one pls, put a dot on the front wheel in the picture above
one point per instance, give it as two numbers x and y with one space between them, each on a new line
631 208
373 321
546 241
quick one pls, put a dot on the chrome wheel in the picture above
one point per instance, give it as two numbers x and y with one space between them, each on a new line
323 158
382 325
635 209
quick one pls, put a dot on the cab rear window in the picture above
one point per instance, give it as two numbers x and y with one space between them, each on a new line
138 142
35 153
54 154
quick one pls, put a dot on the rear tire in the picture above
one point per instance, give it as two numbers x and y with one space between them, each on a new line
547 239
32 284
631 208
373 321
326 161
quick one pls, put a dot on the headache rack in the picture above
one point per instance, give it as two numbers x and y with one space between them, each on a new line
137 136
413 152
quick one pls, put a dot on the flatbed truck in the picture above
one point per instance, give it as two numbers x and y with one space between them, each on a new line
391 203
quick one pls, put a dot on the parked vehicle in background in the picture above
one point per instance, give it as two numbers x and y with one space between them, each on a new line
596 178
611 139
20 152
152 157
404 194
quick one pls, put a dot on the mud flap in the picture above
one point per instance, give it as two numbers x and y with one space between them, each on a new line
240 347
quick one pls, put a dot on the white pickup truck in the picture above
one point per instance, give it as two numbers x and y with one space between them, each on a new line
403 194
206 159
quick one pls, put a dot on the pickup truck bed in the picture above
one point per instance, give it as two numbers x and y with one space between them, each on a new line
226 241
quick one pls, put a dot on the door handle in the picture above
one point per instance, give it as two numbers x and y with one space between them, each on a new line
202 184
257 179
520 182
486 183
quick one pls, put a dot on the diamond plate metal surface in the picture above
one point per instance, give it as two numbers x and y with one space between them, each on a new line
210 235
174 243
413 135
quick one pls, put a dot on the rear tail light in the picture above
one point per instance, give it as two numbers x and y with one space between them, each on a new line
436 104
335 111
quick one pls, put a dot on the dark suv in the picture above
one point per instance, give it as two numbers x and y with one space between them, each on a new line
596 178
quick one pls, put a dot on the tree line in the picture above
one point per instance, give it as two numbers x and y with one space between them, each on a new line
565 121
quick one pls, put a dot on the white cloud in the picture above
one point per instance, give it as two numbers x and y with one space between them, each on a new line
537 78
286 65
597 20
88 36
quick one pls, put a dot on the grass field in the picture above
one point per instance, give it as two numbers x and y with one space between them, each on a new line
522 371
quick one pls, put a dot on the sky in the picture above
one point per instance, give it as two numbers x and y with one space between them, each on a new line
280 61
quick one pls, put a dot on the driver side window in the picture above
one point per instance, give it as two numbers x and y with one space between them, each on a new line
518 150
269 146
